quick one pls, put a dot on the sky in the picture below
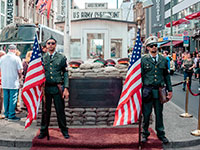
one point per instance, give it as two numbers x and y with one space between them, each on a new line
111 3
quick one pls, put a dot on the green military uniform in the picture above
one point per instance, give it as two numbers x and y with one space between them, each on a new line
56 73
154 74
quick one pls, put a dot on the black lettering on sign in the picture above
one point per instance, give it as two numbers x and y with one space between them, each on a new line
9 18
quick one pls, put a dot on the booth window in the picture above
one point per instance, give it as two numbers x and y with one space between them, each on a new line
116 48
95 45
75 47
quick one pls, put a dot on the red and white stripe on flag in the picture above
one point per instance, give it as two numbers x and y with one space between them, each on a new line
129 106
32 90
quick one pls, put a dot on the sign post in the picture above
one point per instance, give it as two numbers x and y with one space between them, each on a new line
186 41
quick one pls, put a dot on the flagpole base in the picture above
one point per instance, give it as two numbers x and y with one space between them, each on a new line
140 147
186 115
196 132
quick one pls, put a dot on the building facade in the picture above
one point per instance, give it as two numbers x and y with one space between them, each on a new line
128 15
180 10
24 11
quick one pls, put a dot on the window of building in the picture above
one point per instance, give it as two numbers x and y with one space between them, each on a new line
167 20
175 16
167 6
2 21
116 48
17 8
197 7
95 45
2 14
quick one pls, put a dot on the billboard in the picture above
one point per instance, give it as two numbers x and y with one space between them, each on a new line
157 16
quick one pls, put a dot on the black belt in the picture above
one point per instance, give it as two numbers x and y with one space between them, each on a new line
51 84
153 86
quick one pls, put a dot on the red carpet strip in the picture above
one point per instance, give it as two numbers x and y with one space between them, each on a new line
96 138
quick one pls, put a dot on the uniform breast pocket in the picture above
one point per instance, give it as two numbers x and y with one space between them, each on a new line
162 66
147 67
57 65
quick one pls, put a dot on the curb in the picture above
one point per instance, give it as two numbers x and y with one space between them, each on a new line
16 143
182 144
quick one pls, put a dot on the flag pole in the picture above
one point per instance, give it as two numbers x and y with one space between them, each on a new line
45 109
140 132
44 105
140 116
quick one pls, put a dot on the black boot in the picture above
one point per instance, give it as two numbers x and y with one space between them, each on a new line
65 134
42 135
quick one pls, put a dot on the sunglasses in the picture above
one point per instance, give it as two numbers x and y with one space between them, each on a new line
52 43
152 45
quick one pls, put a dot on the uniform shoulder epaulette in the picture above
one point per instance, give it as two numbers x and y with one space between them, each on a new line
144 56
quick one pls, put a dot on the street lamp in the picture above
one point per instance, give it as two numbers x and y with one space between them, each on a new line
145 4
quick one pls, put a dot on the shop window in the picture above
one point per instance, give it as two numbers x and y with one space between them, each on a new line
75 48
116 48
95 45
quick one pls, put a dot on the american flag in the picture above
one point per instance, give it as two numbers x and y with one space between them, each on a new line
32 89
43 5
129 106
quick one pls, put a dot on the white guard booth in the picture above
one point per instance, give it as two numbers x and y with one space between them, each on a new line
98 32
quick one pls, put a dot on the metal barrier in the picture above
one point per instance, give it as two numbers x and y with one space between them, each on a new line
186 114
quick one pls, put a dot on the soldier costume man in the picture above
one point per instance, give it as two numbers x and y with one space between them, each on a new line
154 75
56 76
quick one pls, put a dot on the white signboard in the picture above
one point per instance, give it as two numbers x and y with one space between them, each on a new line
176 38
96 5
10 11
96 13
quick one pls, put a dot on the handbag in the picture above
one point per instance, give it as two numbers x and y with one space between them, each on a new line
146 94
163 95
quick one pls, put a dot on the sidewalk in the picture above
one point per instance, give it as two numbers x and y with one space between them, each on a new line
177 130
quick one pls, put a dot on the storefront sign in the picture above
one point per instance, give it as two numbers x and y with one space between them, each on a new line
157 16
95 13
158 10
175 38
96 5
10 12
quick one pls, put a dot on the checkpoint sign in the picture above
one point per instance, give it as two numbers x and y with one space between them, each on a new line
186 41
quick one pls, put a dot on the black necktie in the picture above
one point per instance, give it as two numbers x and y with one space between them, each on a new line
51 56
155 59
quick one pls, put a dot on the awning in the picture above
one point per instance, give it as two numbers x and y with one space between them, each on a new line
175 43
169 24
163 42
178 22
181 21
193 16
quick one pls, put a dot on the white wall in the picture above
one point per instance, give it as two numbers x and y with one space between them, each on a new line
116 30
